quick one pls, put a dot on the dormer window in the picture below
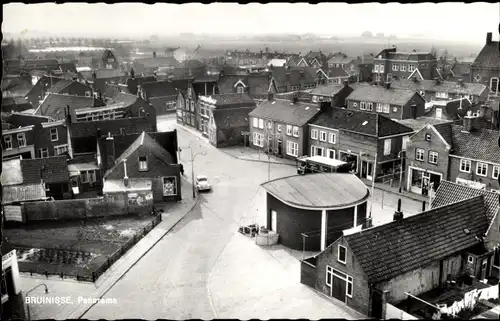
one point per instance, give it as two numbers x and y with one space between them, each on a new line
21 140
240 89
428 137
143 163
342 254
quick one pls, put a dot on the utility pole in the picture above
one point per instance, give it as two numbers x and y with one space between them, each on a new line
192 168
373 185
402 156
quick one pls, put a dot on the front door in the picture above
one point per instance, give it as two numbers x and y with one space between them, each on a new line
435 181
280 146
484 268
274 221
376 304
338 288
425 185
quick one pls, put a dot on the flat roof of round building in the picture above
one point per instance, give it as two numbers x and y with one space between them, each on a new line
319 191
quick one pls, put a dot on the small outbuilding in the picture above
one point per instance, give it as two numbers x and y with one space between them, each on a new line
312 211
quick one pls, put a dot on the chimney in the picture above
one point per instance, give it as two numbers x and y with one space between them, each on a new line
110 151
154 54
387 85
489 36
398 215
125 177
413 110
468 122
325 105
270 96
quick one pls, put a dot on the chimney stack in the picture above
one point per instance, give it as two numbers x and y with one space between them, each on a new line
270 96
398 215
468 122
489 36
413 110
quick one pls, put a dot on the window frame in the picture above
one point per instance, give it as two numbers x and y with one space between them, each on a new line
23 135
261 123
314 151
369 106
430 156
292 151
258 139
470 259
141 163
278 128
467 162
380 108
386 108
362 105
57 148
40 152
332 138
6 142
345 254
498 84
484 166
402 67
328 150
314 134
395 67
417 150
289 130
56 134
439 113
295 131
497 170
321 134
387 146
255 122
240 89
382 68
176 191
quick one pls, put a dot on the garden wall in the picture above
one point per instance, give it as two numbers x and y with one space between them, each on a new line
116 204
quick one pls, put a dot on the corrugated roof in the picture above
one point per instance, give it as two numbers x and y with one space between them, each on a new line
379 94
320 190
23 193
284 111
449 193
393 249
478 144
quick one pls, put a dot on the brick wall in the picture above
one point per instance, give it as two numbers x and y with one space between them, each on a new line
484 75
360 300
454 173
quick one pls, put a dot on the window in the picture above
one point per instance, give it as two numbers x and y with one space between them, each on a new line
495 173
369 106
362 105
395 67
289 130
59 150
54 135
240 89
278 128
330 153
376 68
269 124
341 254
379 108
292 149
403 68
394 109
43 153
189 92
349 287
419 154
329 275
314 134
322 136
21 140
261 123
470 259
433 157
354 105
295 131
465 165
317 151
192 119
331 138
192 106
442 95
169 186
411 68
387 108
482 169
494 85
8 142
406 139
428 137
143 163
255 122
387 146
381 68
258 139
88 176
439 113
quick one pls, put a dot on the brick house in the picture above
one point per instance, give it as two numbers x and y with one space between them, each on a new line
108 60
227 117
339 61
332 75
334 94
440 90
163 95
486 68
357 137
287 79
55 106
99 78
411 255
481 265
255 85
280 126
390 102
53 139
390 64
314 59
145 159
451 110
187 106
52 172
19 142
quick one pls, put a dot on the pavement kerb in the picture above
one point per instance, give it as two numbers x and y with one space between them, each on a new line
103 291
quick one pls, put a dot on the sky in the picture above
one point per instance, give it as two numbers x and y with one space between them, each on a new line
446 21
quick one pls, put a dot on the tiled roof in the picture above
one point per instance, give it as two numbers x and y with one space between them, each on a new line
23 193
59 86
478 144
445 130
68 66
257 84
360 122
130 126
393 249
489 56
206 78
420 122
150 144
327 90
449 192
103 74
54 105
335 72
50 169
379 94
157 62
339 60
284 111
294 76
442 86
18 119
232 100
164 88
232 117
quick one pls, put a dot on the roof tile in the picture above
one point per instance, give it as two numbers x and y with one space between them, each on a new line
284 111
379 94
479 144
50 169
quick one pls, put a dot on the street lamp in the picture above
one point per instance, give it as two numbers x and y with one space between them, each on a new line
192 166
27 302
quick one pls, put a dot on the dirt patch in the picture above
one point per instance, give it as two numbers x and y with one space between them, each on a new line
73 247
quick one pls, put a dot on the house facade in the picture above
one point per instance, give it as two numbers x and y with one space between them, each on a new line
390 64
390 102
486 68
19 142
360 139
53 139
332 75
288 79
163 95
334 94
280 127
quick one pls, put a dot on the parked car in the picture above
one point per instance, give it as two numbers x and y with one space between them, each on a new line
202 183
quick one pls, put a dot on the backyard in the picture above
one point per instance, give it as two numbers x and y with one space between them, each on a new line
76 248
